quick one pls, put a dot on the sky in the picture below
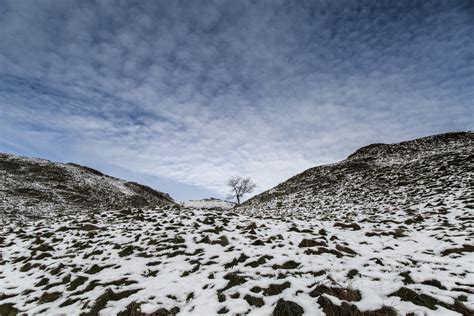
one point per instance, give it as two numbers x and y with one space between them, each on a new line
182 95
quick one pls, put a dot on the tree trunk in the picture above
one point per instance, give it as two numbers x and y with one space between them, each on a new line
238 200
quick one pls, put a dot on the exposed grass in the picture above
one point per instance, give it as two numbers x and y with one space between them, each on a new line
7 309
288 265
464 248
353 226
254 301
234 280
107 296
275 289
406 294
287 308
346 309
47 297
344 294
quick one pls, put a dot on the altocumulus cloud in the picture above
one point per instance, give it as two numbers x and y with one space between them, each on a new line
192 92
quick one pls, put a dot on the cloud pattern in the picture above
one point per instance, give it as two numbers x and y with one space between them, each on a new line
190 93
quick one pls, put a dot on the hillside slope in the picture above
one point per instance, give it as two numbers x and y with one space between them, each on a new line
37 188
379 178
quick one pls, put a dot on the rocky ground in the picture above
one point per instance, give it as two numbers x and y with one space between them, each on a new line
190 261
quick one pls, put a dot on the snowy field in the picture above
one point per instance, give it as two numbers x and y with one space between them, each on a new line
193 261
208 203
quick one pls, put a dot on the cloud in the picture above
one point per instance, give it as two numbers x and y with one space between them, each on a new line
197 92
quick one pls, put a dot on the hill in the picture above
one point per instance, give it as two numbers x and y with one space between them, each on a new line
380 179
34 187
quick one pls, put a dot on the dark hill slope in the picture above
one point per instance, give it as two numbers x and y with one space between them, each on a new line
380 178
37 187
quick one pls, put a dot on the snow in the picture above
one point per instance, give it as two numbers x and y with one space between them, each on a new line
166 269
208 203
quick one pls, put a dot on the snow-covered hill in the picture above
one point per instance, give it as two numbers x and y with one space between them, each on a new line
387 232
209 203
379 179
40 188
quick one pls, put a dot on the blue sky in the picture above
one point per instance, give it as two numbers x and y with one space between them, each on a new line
181 95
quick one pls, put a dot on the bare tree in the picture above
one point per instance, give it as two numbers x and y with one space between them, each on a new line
239 187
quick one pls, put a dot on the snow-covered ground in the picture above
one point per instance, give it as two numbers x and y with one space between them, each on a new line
209 203
205 262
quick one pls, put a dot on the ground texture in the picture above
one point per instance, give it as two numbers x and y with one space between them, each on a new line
207 262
